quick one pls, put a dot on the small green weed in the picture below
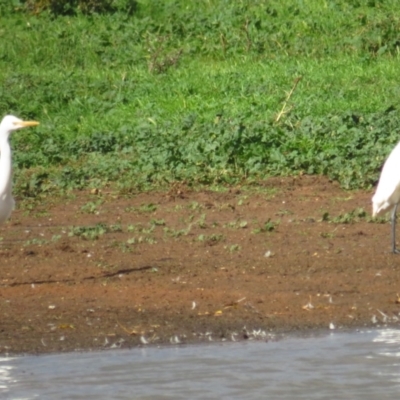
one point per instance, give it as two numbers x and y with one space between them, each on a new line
377 220
91 207
237 224
89 232
177 232
213 238
148 230
132 228
147 208
104 265
355 215
157 222
232 248
195 206
141 239
55 238
268 226
115 228
36 242
201 223
242 200
144 208
284 212
327 235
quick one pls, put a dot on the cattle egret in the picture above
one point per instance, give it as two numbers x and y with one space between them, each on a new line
7 126
387 195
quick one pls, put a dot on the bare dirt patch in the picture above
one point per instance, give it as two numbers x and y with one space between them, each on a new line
99 270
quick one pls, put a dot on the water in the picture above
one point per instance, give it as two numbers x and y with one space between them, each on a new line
359 365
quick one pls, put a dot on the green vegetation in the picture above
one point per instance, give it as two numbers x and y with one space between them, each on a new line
92 207
233 247
143 93
268 226
213 238
176 233
355 215
144 208
93 232
237 224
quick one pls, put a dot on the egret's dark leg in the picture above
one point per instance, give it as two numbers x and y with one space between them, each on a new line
393 219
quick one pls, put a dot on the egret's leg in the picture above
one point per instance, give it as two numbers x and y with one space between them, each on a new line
393 219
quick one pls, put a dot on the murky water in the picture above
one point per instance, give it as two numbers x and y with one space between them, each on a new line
359 365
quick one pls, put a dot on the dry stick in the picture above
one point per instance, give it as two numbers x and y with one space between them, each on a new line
248 38
283 110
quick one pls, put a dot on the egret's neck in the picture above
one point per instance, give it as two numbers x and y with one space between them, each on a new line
5 165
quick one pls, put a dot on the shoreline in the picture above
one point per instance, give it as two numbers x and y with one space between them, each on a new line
159 267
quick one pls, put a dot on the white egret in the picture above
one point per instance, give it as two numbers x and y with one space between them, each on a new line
387 195
7 126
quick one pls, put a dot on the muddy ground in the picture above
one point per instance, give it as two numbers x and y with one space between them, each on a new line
104 270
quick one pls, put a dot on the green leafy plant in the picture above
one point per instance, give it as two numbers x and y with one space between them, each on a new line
92 207
195 93
268 226
89 232
211 239
355 215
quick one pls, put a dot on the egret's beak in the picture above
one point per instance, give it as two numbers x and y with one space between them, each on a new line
24 124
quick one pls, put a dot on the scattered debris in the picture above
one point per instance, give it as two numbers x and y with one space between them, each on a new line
143 340
308 306
234 303
385 317
175 340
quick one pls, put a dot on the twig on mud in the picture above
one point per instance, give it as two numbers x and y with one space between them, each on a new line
85 278
308 306
289 95
234 303
129 332
136 331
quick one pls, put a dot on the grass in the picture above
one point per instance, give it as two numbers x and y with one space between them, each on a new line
191 91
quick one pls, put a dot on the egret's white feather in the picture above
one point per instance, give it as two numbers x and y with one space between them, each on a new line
7 126
387 194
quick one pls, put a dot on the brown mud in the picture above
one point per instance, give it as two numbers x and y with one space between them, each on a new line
100 269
